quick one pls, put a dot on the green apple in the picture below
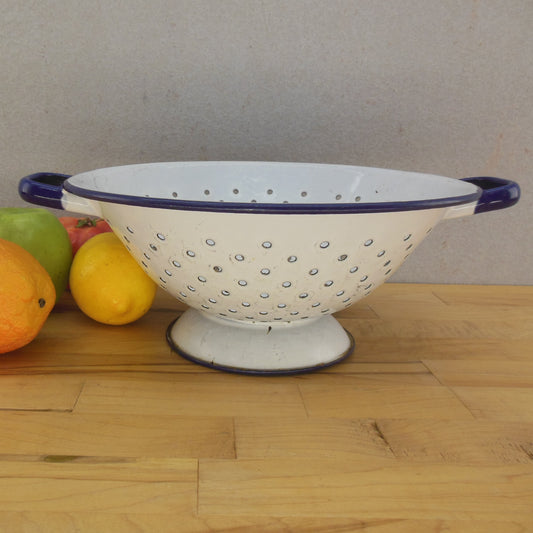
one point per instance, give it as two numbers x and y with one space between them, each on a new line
39 232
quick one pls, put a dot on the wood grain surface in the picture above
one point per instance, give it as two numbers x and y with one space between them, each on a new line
427 427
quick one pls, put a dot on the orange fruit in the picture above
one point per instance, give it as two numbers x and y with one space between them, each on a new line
27 295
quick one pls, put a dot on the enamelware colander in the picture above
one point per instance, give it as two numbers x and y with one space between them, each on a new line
262 252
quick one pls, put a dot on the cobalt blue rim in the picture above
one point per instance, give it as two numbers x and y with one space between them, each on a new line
271 208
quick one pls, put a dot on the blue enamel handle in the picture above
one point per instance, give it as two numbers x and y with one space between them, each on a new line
496 193
43 188
46 189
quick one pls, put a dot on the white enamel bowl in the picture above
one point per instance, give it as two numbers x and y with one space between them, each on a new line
264 253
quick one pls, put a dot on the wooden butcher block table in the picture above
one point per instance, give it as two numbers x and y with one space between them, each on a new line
427 427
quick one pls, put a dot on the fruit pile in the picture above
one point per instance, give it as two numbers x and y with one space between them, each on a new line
41 255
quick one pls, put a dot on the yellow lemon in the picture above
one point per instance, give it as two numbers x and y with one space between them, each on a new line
107 284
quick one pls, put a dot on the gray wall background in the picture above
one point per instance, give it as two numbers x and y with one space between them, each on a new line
437 86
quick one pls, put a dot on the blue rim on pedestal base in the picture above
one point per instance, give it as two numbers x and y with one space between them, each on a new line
259 349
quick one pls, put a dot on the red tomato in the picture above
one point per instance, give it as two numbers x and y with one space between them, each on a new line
82 229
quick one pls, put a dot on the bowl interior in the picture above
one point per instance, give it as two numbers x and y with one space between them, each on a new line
266 183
